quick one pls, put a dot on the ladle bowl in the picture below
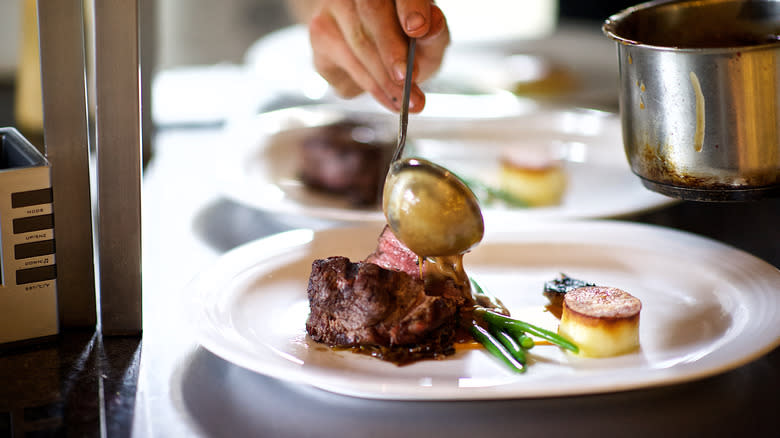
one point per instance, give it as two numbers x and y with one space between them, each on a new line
430 209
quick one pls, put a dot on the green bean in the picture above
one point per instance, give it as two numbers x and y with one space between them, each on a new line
495 347
526 341
511 344
513 326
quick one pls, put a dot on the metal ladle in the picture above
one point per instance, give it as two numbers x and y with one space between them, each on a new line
428 208
399 149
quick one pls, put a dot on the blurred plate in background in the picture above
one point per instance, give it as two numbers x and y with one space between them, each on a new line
575 66
259 161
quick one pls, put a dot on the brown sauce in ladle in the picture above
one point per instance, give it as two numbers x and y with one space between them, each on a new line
434 214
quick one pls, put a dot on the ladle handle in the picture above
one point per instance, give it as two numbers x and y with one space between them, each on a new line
405 103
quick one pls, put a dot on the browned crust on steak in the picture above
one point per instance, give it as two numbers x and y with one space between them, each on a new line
353 304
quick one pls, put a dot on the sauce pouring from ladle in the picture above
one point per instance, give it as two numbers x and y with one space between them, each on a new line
428 208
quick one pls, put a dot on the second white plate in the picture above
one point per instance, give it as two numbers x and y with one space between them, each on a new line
259 160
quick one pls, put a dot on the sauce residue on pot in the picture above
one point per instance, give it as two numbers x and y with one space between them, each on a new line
698 136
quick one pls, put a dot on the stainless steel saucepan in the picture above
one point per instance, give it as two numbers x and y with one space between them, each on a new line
700 98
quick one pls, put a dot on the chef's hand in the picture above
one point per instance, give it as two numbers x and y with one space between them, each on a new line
361 45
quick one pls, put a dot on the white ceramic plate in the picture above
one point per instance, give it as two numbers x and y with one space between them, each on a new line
260 160
707 308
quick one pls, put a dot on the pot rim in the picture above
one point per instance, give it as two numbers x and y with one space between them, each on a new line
610 25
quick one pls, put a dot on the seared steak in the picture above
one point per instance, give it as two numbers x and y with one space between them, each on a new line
383 307
386 311
333 159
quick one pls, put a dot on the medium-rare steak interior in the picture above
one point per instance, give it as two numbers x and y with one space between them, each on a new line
390 253
440 276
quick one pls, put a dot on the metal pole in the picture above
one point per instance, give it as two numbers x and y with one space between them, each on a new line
61 32
118 132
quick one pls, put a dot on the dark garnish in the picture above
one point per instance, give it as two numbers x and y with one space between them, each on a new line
556 289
